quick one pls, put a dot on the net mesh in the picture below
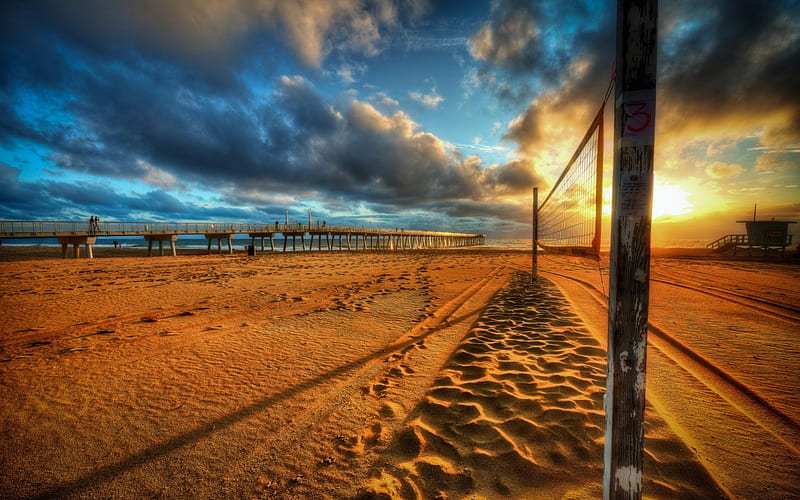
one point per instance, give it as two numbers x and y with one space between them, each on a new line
568 219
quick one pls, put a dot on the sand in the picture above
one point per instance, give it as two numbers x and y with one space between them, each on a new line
428 374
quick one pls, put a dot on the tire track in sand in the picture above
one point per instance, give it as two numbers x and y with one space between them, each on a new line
517 412
737 393
360 413
730 407
323 399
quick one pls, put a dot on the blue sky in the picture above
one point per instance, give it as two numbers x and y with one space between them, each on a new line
407 113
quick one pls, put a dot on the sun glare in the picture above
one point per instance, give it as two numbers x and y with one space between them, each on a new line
668 200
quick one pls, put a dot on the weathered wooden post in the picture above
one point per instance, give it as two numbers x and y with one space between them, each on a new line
634 137
535 235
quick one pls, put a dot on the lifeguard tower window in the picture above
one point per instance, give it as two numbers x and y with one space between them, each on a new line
762 236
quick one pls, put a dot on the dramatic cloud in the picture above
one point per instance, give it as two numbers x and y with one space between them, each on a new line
516 177
206 31
364 107
155 127
731 73
725 74
509 40
39 200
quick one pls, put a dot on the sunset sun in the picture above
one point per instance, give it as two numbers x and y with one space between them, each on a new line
669 200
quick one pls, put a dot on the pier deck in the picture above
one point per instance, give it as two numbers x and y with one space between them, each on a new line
352 237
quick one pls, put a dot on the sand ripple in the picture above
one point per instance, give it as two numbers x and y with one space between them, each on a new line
518 399
517 412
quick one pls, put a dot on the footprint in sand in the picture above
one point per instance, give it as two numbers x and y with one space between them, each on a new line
513 412
357 444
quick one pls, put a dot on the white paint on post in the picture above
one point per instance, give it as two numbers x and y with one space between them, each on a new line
629 479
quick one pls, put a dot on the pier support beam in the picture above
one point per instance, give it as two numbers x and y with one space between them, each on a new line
294 235
262 235
161 238
219 237
76 242
319 235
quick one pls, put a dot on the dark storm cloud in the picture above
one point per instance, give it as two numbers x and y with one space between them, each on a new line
123 118
13 191
538 40
516 177
733 60
491 210
65 200
46 199
722 64
159 201
131 97
553 57
209 34
512 39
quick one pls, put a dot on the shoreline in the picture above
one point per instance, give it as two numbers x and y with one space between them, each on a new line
12 253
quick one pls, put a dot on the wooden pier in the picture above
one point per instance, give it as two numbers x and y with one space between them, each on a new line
85 234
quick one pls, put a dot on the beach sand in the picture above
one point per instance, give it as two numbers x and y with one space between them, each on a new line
426 374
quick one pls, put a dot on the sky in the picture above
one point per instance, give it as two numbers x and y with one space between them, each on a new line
438 115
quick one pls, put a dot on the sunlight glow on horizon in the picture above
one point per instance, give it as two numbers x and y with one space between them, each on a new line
668 200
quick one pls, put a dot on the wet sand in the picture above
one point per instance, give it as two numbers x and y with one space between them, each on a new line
366 375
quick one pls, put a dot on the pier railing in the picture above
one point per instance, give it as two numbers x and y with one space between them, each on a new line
49 229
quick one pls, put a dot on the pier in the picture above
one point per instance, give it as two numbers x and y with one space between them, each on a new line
85 234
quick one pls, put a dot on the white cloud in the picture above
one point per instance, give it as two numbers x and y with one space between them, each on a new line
349 73
430 101
470 83
383 99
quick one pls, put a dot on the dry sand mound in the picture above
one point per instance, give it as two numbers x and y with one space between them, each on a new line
517 412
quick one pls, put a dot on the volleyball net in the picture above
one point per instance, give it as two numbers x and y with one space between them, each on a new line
569 218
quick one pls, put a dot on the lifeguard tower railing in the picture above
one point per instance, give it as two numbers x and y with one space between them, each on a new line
727 242
761 235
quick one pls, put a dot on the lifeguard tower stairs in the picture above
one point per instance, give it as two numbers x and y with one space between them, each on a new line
763 237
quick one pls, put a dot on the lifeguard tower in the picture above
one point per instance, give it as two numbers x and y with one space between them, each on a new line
763 236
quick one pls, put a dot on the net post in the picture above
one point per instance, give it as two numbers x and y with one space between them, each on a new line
535 236
634 138
598 189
